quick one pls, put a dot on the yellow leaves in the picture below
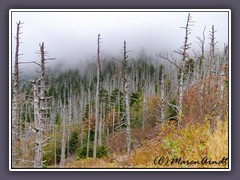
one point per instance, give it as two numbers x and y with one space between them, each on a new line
184 148
90 163
191 143
218 142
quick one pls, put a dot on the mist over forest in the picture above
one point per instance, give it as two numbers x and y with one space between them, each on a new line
71 36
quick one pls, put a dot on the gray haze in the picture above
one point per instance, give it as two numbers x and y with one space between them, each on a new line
72 36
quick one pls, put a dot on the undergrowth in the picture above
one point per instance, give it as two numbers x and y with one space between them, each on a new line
194 146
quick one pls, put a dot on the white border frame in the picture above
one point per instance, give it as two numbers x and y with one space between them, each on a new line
112 10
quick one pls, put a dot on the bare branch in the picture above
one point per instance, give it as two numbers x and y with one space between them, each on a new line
172 61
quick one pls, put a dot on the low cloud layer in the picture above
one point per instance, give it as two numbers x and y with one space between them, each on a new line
72 36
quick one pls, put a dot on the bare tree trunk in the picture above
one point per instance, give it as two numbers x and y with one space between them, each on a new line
212 52
162 99
100 125
201 69
69 119
107 136
36 119
39 139
212 72
113 121
55 145
144 107
27 146
62 162
103 118
15 101
97 99
119 104
184 54
126 92
202 58
89 119
81 117
222 79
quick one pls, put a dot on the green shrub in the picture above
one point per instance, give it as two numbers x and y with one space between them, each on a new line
82 152
73 142
49 155
102 151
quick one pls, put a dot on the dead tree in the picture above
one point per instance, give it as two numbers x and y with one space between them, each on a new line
69 119
15 99
89 118
202 57
82 96
100 125
201 68
212 54
55 144
63 148
162 98
97 99
119 105
40 119
223 70
113 120
144 107
212 74
15 108
127 99
36 119
184 55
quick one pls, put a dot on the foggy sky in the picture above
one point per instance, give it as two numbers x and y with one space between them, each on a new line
72 36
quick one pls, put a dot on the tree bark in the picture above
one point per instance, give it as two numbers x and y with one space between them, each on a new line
184 54
62 162
40 122
69 119
36 123
15 101
144 107
100 125
212 73
201 69
127 103
97 99
89 119
162 99
222 81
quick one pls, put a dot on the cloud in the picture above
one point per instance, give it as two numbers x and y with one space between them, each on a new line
72 36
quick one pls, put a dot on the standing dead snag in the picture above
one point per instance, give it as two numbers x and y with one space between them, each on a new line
39 120
69 123
89 117
212 54
126 97
97 99
40 111
162 98
63 148
201 68
144 107
15 107
183 52
36 120
184 55
212 74
202 57
223 76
